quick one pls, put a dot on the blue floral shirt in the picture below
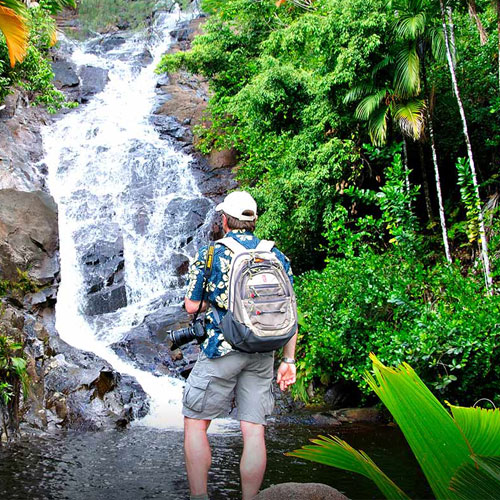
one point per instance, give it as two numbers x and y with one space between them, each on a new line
214 345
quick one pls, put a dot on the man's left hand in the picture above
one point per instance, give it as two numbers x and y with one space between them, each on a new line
286 375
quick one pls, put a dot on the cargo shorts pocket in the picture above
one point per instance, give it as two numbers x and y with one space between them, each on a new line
195 393
269 402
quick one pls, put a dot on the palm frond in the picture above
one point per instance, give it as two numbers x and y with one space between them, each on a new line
15 30
480 427
407 73
337 453
409 25
438 45
16 5
478 480
410 118
386 61
429 429
369 104
377 126
358 92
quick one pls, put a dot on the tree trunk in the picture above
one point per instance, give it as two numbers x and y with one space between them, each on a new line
483 36
451 66
442 216
425 183
498 39
407 171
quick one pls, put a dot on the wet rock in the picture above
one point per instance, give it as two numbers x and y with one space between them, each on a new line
300 491
168 126
148 347
86 393
65 75
104 271
342 394
28 235
106 43
93 81
353 415
21 150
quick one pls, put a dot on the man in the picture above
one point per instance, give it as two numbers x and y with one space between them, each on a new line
221 373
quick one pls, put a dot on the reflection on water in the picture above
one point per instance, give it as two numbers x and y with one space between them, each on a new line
145 463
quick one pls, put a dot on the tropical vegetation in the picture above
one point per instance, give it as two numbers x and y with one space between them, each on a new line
458 453
369 131
26 35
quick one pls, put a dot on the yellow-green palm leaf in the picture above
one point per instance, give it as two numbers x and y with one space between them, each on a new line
337 453
15 30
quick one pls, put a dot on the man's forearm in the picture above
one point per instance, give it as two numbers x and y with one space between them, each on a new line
289 349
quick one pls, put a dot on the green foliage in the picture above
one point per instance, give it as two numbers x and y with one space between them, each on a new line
469 199
459 455
14 379
298 93
34 74
403 310
100 15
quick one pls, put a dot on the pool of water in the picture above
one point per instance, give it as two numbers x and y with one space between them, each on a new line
145 463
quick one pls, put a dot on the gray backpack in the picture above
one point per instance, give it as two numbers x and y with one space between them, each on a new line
262 311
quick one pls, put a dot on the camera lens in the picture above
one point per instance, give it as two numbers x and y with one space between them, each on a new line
181 337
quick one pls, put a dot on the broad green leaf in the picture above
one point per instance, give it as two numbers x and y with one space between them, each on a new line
409 26
369 104
436 441
480 480
480 427
410 117
16 5
15 31
377 126
407 74
337 453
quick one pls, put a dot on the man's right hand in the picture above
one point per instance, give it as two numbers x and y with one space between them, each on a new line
286 375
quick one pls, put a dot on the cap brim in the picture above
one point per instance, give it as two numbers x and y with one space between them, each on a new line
219 207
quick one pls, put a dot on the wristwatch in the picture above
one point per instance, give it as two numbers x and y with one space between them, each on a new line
290 361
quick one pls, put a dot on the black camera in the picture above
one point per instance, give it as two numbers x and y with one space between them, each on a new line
195 331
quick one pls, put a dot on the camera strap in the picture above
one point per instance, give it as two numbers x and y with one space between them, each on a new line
207 272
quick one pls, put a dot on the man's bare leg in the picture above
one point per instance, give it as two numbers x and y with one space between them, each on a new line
197 453
253 460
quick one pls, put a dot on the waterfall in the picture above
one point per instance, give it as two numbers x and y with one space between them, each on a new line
122 190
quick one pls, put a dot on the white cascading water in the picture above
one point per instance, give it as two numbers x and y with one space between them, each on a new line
98 157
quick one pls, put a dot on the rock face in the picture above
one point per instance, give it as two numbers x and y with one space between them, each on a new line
21 151
300 491
181 101
28 235
70 388
78 84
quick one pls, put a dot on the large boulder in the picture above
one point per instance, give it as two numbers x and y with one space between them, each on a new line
300 491
21 151
28 235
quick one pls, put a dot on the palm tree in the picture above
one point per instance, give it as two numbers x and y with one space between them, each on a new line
417 35
414 36
449 43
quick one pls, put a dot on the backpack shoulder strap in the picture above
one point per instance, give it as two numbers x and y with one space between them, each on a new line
265 245
233 245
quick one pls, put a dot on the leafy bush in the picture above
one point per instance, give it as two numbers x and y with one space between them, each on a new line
100 15
433 317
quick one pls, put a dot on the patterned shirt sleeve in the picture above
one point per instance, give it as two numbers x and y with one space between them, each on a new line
195 275
286 263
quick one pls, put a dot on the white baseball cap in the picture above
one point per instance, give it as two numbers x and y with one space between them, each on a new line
236 203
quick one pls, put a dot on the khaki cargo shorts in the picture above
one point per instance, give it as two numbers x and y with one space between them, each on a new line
214 384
